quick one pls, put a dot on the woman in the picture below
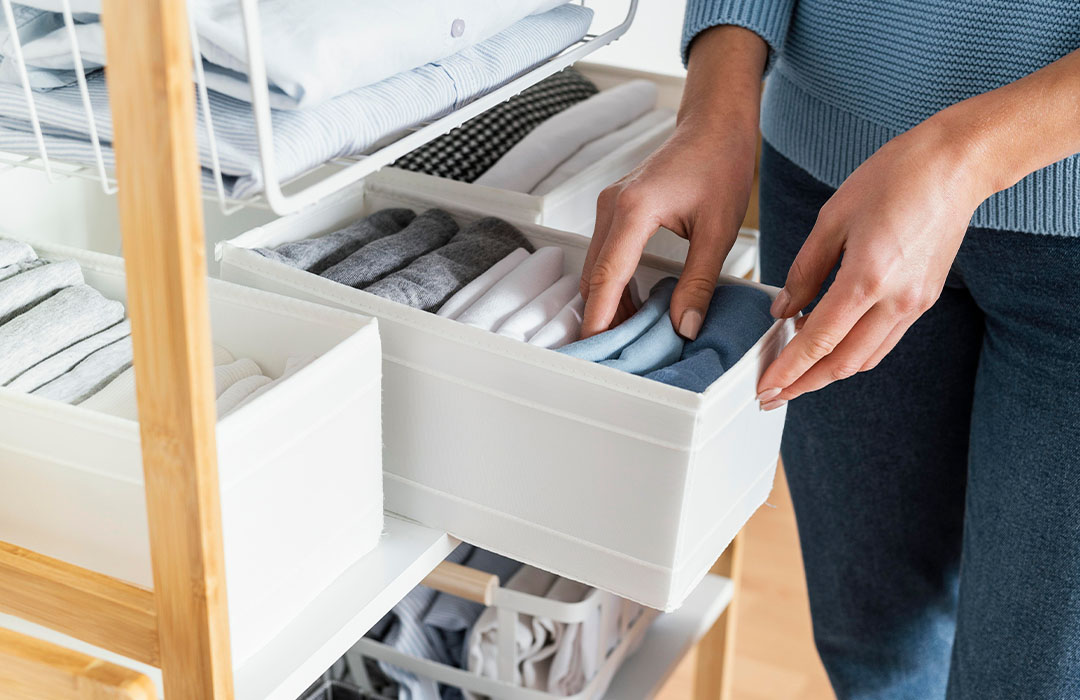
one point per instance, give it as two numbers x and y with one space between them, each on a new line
930 145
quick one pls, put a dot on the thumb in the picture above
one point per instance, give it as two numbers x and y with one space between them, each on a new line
694 291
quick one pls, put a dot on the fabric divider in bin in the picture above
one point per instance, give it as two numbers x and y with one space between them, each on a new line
604 477
299 465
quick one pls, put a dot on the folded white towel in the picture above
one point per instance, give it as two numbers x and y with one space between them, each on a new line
600 148
527 281
525 322
537 155
564 329
235 394
479 286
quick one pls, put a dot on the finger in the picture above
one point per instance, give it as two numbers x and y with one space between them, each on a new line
626 308
614 266
605 211
889 343
830 321
692 294
850 355
808 272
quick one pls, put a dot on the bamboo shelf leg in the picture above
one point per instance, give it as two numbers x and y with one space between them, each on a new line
149 73
716 652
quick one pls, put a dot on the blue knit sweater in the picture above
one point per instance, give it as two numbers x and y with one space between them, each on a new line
845 76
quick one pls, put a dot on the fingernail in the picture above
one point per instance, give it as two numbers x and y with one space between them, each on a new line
690 324
780 304
768 394
770 405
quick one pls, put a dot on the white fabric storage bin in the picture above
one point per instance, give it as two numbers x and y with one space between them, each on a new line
299 466
614 480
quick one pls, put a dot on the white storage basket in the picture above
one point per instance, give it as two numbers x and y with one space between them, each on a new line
603 610
299 465
572 205
604 477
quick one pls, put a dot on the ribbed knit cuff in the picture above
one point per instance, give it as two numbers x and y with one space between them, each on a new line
768 19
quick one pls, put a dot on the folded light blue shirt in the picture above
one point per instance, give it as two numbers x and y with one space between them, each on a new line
738 317
609 345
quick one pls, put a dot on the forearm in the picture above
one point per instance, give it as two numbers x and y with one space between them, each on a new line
723 80
1005 134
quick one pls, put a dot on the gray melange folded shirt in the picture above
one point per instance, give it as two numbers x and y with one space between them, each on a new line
317 254
25 289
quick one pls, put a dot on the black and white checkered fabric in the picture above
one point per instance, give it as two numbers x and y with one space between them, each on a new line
469 150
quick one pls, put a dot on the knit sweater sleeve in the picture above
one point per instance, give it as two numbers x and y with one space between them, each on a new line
767 18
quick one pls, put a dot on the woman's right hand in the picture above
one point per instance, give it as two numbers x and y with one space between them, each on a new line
697 184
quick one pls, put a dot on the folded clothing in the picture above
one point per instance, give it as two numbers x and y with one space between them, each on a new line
524 323
601 148
318 254
314 52
469 150
564 328
523 284
737 318
345 125
537 155
20 292
431 279
65 360
90 375
479 286
63 319
608 345
425 233
657 347
13 252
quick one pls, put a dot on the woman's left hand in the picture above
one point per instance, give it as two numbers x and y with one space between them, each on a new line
898 221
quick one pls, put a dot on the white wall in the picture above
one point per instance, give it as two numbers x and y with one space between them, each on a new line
651 44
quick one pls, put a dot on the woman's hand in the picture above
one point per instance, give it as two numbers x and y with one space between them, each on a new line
697 184
898 220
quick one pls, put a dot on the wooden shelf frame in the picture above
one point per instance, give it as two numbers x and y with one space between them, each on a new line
182 625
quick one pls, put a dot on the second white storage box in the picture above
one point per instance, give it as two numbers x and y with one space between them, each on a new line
604 477
299 466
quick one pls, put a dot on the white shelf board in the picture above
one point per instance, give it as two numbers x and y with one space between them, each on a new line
669 639
285 667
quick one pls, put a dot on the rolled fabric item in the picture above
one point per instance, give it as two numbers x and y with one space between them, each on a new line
96 371
601 147
468 151
479 286
738 316
433 278
19 267
65 318
657 347
564 329
20 292
526 321
221 355
235 394
608 345
537 155
13 252
292 366
425 233
317 254
57 364
524 283
228 374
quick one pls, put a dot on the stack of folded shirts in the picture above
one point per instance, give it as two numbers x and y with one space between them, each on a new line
343 75
554 657
60 339
543 137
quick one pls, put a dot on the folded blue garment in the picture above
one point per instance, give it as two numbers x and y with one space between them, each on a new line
305 138
738 316
655 348
609 344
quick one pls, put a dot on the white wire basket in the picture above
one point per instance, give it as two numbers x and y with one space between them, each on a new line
281 196
509 604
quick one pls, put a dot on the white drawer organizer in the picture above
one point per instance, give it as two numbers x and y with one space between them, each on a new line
300 465
614 480
572 205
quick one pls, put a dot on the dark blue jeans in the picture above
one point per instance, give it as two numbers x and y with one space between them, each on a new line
938 495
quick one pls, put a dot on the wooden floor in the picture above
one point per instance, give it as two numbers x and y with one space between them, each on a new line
774 650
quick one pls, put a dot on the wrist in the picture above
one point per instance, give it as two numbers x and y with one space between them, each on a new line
961 144
723 81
